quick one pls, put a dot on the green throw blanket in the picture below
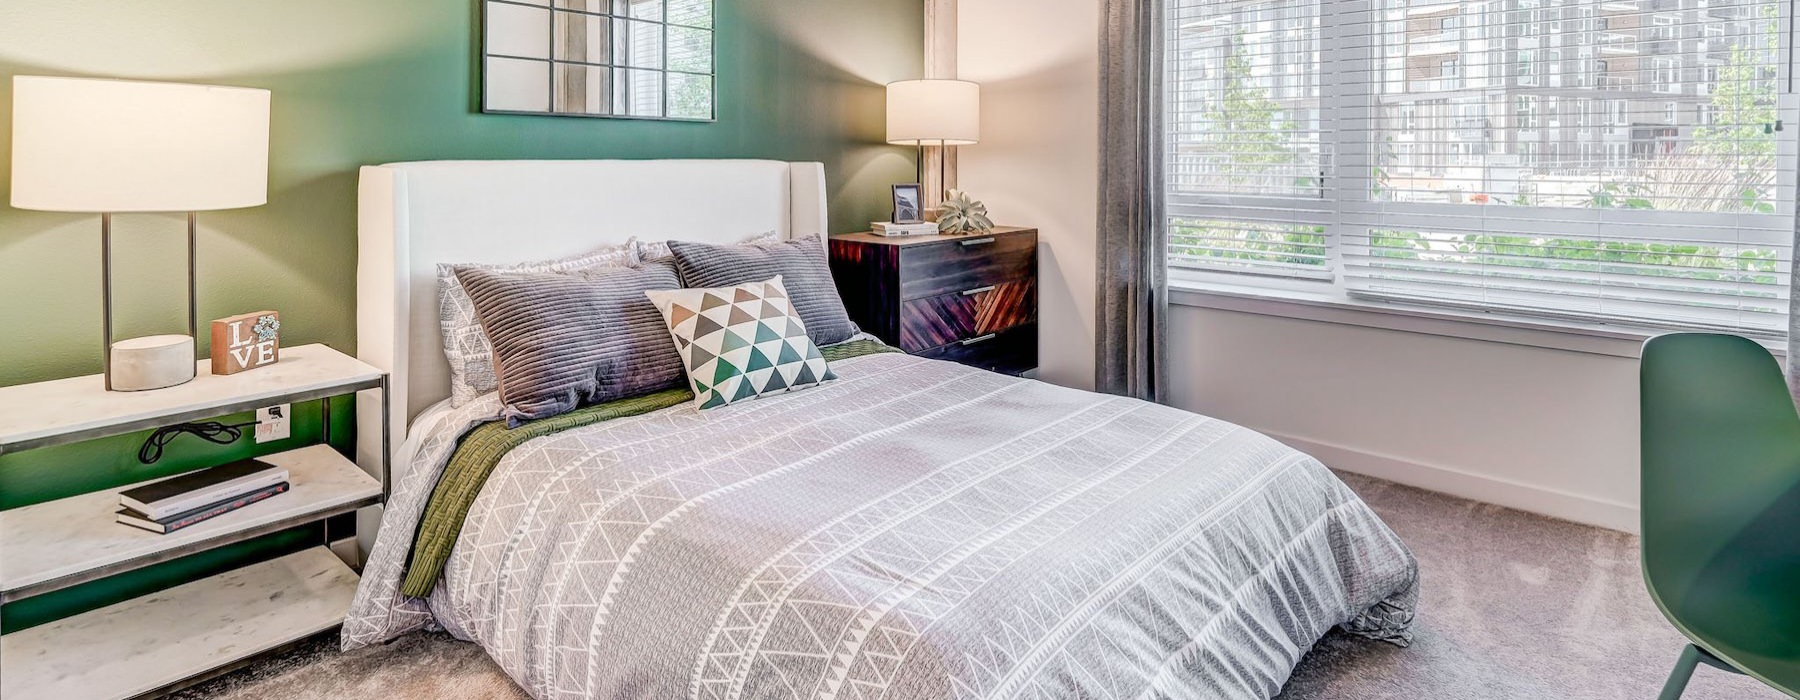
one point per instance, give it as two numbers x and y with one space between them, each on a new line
480 451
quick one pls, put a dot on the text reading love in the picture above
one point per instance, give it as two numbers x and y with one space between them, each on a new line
246 341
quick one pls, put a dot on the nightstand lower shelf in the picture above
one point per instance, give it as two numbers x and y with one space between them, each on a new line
148 643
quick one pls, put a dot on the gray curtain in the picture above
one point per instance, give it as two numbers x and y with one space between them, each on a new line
1132 299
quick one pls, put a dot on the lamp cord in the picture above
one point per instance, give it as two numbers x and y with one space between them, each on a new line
211 431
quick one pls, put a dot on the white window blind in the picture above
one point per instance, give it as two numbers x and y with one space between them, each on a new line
1245 162
1610 160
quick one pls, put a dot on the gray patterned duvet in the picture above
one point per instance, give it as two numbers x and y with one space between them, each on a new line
915 530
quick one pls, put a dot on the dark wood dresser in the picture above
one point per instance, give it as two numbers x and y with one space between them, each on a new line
965 298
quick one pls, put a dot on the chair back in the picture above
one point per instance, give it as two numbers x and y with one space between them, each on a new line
1721 494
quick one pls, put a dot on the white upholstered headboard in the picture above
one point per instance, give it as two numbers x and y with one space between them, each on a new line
413 216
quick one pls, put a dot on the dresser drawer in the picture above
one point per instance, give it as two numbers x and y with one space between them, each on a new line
1013 351
947 318
966 263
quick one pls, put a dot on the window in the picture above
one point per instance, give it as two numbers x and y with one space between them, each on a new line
1666 75
1591 200
1245 160
1526 117
1665 29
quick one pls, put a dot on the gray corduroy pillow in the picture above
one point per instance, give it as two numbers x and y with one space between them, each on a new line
466 345
566 340
801 264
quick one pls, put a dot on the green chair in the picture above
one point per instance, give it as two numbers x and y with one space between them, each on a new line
1721 505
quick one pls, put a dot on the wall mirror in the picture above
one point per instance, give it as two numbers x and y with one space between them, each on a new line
634 59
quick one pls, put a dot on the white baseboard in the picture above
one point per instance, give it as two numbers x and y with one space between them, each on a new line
1476 487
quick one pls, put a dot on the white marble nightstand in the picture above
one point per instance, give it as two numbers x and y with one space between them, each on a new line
159 640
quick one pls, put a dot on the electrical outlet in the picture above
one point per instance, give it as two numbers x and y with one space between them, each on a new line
273 423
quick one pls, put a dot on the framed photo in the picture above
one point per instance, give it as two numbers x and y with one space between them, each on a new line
909 207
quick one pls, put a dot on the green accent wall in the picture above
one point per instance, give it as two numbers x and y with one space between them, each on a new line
357 82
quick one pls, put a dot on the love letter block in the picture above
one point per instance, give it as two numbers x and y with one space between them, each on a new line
246 341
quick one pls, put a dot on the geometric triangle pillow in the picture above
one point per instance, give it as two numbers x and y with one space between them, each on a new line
741 342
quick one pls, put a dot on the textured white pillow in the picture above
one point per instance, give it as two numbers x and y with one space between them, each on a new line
739 343
466 344
652 250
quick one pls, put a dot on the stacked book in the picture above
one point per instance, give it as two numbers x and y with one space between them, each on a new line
891 229
171 504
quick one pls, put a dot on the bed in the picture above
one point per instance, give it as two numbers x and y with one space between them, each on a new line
914 529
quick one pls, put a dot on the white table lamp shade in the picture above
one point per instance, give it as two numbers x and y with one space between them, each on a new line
933 113
89 145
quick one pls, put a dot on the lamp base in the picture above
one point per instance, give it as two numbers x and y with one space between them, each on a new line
152 362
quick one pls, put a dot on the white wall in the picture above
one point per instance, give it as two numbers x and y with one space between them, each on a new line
1550 431
1037 164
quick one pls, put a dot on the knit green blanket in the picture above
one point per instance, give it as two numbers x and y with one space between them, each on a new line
480 451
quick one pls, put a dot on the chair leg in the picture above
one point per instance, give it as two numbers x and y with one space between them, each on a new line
1678 678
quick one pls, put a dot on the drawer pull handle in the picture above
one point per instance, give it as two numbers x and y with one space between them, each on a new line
977 241
979 290
980 339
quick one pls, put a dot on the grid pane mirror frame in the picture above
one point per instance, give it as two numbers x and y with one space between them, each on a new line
630 59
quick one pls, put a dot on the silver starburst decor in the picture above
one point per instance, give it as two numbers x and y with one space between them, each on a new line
959 214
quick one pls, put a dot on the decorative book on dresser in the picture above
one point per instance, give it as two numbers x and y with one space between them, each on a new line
968 298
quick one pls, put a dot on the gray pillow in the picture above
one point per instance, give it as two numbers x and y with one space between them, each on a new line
466 346
564 340
801 264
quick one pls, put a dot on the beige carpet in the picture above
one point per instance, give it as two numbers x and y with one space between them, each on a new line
1514 606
